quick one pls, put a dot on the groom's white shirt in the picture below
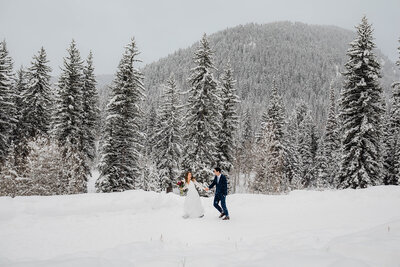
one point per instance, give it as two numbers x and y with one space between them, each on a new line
219 176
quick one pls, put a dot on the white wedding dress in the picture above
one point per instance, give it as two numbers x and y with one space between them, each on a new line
192 208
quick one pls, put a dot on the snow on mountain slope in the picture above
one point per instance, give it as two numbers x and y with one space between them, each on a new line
137 228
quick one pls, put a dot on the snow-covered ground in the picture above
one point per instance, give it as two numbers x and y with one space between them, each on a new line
136 228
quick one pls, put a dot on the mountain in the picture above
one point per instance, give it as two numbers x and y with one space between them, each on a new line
304 59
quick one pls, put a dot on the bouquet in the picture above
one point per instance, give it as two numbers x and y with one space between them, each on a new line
181 185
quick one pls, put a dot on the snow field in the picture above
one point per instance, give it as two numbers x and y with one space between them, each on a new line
137 228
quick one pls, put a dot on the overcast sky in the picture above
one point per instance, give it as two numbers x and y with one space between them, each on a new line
161 27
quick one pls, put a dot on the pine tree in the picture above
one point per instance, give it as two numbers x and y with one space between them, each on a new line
259 184
152 127
302 147
315 139
150 155
361 114
68 118
247 148
248 134
169 145
69 114
296 118
308 151
293 164
7 108
202 116
322 167
392 137
276 179
119 166
331 143
20 136
229 121
90 110
20 86
274 170
37 97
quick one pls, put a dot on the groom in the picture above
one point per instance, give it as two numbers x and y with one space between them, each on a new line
220 192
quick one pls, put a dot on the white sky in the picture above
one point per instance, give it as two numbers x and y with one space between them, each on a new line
161 27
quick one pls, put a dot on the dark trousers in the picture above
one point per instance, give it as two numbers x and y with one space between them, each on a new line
217 199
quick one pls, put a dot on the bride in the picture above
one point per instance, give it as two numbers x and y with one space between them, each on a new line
192 207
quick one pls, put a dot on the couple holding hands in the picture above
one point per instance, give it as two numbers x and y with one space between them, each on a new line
193 207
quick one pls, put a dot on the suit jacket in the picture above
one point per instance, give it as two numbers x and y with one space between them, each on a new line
221 187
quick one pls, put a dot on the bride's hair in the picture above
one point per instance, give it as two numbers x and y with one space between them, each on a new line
187 177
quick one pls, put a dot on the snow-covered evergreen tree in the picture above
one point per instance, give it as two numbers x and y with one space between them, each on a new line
248 133
69 114
7 107
20 136
331 143
322 167
119 166
274 169
149 179
202 118
169 144
306 128
302 147
68 117
246 152
37 97
361 114
20 86
276 179
229 121
392 137
259 184
152 127
293 164
90 110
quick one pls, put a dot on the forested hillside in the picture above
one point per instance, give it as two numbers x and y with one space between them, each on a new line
304 59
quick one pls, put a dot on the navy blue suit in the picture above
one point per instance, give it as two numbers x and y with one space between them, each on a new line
220 193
